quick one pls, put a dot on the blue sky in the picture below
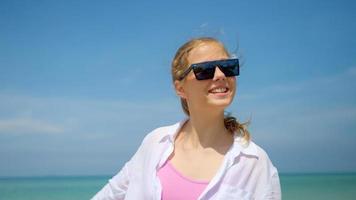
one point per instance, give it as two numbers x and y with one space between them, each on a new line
81 83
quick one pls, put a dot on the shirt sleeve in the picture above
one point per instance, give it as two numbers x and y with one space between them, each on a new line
274 188
117 186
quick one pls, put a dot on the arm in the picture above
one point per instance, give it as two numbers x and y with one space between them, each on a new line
273 188
116 187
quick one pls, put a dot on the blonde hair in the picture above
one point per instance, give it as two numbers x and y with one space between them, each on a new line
180 63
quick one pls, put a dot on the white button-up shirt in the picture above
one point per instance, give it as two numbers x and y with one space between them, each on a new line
246 172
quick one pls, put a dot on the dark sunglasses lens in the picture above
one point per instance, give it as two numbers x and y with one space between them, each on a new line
204 71
230 68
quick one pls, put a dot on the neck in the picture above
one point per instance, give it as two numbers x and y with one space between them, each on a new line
206 130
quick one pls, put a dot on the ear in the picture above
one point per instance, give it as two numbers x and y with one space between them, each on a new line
178 85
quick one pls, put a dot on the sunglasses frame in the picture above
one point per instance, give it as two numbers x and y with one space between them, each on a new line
212 65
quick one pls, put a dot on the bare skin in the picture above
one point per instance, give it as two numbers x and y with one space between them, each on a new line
203 141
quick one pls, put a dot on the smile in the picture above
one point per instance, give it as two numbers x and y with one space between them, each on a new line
219 90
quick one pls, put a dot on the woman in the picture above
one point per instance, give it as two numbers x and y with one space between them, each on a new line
206 156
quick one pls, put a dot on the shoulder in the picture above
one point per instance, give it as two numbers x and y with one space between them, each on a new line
260 152
150 145
267 175
263 160
261 174
162 133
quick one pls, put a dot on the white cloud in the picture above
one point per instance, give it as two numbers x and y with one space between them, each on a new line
82 116
203 25
28 125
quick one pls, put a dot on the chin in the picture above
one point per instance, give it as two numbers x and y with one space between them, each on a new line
221 103
220 100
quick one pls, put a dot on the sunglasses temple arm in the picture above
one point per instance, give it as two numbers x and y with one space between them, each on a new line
185 73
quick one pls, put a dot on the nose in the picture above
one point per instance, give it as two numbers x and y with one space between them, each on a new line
218 74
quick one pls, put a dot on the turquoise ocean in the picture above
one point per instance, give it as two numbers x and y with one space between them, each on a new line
294 186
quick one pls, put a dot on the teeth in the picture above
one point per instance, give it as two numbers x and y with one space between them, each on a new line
218 90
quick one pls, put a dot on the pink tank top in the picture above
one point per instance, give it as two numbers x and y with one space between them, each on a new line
175 186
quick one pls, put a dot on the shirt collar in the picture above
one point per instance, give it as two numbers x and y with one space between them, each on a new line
172 131
244 147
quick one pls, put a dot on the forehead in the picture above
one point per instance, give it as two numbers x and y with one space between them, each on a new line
207 51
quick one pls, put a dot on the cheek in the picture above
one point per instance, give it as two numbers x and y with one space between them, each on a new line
233 82
196 90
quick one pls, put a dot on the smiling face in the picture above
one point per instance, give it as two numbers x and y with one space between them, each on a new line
216 93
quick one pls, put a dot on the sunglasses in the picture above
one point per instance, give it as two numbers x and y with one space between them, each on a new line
206 70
